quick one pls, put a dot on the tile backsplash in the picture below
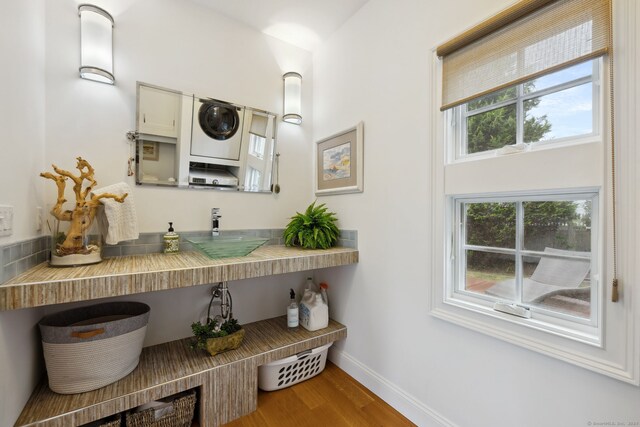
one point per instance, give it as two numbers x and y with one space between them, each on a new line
18 257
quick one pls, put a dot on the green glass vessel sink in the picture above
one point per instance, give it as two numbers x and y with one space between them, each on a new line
227 246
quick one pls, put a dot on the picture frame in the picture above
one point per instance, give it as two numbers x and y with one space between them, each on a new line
150 150
339 162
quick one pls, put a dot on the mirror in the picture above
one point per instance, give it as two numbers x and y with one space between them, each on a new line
188 141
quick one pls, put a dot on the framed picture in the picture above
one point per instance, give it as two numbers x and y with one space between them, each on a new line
339 162
150 150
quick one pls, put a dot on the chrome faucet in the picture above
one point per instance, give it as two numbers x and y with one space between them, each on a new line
215 221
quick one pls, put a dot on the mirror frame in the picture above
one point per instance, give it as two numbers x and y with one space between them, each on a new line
163 144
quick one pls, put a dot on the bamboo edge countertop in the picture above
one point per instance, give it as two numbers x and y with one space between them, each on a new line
228 382
43 285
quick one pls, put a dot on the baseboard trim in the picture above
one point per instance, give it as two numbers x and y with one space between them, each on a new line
407 405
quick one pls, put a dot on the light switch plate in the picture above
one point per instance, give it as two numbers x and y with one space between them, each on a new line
6 220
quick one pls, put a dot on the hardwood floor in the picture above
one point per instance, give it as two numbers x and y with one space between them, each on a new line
330 399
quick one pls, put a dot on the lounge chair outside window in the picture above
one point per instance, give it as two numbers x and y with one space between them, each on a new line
552 276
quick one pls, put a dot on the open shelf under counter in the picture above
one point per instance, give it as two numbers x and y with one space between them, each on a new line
44 285
227 382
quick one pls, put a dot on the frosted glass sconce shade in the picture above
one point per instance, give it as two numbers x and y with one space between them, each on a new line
96 44
292 98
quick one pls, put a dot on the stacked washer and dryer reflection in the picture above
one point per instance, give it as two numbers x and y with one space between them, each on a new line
216 139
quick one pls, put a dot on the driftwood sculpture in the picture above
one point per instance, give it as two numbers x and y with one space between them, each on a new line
82 216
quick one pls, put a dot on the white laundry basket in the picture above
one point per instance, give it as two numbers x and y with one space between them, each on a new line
292 370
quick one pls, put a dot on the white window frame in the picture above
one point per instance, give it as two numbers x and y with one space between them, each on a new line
257 145
619 355
457 151
585 330
254 176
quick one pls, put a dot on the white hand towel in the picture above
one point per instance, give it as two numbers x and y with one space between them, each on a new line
118 221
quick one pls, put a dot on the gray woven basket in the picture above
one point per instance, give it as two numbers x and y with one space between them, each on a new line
89 347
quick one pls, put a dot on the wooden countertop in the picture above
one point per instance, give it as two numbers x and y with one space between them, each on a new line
170 368
126 275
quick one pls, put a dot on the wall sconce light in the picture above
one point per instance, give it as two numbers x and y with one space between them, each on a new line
96 44
292 98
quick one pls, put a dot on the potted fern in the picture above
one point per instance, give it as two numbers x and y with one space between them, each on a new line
217 335
314 229
221 333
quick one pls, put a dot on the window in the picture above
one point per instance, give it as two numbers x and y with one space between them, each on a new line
527 238
552 108
533 252
257 175
525 207
257 145
523 172
253 179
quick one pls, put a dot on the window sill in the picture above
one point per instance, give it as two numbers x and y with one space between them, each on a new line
587 335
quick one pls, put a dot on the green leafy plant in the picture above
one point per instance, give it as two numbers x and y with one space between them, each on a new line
314 229
214 328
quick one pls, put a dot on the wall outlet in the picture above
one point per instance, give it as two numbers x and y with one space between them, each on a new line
6 220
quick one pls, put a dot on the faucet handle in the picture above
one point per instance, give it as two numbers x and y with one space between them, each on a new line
215 224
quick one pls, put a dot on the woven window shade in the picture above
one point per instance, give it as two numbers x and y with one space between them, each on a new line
529 39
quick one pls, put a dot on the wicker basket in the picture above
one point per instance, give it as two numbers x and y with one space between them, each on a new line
228 342
115 422
177 412
89 347
112 421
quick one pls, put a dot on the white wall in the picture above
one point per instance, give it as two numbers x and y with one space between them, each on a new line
376 69
49 115
184 46
22 114
22 118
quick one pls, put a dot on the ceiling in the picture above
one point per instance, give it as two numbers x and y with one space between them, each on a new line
302 23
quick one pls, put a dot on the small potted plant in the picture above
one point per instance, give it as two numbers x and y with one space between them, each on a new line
217 335
314 229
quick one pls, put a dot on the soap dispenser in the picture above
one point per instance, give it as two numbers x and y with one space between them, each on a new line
171 241
292 312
